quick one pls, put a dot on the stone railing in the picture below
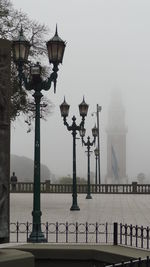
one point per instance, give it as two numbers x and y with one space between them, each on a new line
47 187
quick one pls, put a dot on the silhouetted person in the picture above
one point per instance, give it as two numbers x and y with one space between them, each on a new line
13 181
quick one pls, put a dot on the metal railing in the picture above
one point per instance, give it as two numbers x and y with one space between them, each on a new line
97 233
132 263
64 232
134 235
47 187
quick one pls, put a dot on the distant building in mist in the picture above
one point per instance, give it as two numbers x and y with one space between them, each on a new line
116 142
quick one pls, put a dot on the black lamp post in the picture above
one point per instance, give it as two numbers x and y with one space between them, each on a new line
98 109
88 144
96 158
83 109
20 47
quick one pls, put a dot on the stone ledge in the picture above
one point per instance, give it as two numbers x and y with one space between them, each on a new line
69 252
12 257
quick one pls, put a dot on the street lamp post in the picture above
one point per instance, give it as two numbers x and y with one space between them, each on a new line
88 144
55 47
98 109
96 158
83 109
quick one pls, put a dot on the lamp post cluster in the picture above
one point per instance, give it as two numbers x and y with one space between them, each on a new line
74 128
34 81
88 144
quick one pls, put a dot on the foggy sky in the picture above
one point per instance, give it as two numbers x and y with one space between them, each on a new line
108 47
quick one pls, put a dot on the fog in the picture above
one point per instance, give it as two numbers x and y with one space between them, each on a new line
108 47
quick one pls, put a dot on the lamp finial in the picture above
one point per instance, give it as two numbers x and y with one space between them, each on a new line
56 31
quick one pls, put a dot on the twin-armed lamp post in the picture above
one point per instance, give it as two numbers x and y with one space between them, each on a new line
88 144
98 110
34 81
83 109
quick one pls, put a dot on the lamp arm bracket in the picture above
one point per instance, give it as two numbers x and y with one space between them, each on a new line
69 128
93 142
82 123
27 84
46 85
88 143
83 142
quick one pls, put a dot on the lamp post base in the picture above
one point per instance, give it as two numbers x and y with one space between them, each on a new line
74 207
37 237
88 197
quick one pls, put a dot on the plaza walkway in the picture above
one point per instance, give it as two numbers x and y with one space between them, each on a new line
131 209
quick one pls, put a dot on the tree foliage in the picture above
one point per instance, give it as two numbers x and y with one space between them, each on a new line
10 24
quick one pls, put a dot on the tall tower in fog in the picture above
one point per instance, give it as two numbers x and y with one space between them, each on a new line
116 141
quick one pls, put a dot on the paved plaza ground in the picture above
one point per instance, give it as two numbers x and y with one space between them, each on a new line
127 208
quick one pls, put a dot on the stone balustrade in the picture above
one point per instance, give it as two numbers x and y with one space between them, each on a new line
47 187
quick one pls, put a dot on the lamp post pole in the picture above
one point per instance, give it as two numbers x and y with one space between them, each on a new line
88 156
98 109
35 82
96 158
74 128
74 194
88 144
96 171
36 213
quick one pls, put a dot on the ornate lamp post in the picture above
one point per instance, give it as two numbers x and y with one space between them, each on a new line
88 144
83 109
96 158
98 110
20 47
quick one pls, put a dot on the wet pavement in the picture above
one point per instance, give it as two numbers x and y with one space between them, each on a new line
102 208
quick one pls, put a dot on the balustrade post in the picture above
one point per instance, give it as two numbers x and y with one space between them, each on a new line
47 182
106 188
134 187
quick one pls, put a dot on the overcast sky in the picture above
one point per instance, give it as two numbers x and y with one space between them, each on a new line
108 47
